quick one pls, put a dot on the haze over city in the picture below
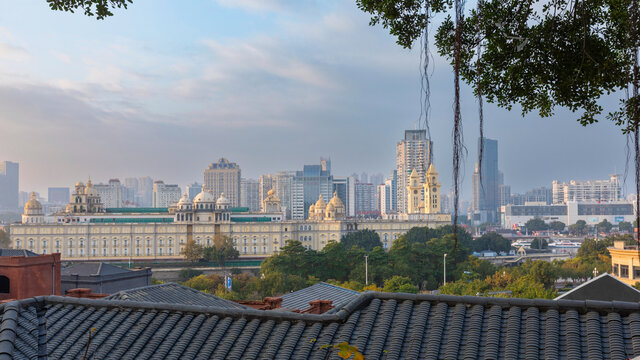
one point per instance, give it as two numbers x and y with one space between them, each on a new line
271 85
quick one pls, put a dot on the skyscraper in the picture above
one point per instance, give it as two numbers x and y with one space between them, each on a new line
486 193
110 194
58 195
193 190
9 185
412 152
250 194
164 195
345 187
308 185
223 177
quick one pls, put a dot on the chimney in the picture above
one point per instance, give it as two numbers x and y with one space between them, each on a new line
273 302
319 306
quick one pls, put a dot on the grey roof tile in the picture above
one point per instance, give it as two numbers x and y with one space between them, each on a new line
17 252
391 326
321 291
172 293
93 268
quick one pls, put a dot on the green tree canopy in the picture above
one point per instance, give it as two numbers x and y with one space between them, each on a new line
400 284
605 226
193 251
625 226
536 224
539 243
366 239
221 251
557 226
491 241
579 228
98 8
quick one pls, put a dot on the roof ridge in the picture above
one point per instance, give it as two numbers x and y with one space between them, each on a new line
8 328
336 286
99 268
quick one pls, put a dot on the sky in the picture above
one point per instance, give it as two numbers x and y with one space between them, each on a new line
166 87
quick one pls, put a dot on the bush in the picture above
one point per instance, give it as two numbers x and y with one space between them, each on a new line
188 273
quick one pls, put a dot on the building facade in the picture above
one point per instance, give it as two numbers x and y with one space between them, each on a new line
250 194
486 184
569 213
223 177
308 185
9 185
412 152
110 193
165 194
193 190
588 191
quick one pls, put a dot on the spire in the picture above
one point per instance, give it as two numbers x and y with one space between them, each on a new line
432 170
414 174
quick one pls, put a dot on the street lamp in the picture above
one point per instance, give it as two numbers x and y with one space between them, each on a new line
366 270
595 272
445 268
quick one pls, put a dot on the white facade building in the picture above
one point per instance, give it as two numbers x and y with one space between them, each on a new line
110 194
412 152
165 195
588 191
592 213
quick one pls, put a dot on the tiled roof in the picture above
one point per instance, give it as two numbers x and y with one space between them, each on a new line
17 252
381 325
321 291
93 268
603 288
172 293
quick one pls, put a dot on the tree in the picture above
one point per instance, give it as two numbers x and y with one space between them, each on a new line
193 251
492 241
539 243
400 284
188 273
579 228
557 226
536 224
5 240
366 239
98 8
222 250
625 226
200 282
605 226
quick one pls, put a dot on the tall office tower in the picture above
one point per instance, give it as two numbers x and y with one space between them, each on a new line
366 200
505 194
355 177
282 183
265 184
383 198
486 194
130 192
250 194
193 189
541 194
345 187
412 152
164 195
308 185
58 195
9 185
392 183
24 196
145 191
110 194
587 191
223 177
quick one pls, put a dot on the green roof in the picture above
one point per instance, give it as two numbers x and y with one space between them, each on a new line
137 210
130 220
251 219
240 209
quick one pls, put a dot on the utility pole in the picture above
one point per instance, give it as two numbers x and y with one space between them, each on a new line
445 268
366 270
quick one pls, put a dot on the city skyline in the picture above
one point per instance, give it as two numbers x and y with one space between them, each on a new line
288 110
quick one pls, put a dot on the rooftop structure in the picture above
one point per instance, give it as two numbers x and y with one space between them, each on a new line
300 299
103 278
380 325
603 287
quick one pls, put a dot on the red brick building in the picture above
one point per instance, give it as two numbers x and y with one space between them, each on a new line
24 274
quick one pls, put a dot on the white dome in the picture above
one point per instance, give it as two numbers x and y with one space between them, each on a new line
223 200
204 197
184 200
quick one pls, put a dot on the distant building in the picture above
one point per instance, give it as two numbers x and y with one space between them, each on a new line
9 185
376 179
412 153
58 195
85 199
541 194
569 213
588 191
165 195
110 193
392 183
486 182
308 185
193 190
250 194
624 262
103 278
505 194
346 189
366 200
25 274
145 191
383 199
223 177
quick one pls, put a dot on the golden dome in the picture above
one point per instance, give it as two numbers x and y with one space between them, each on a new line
270 192
79 183
89 190
184 200
271 196
312 209
336 201
321 204
33 203
330 207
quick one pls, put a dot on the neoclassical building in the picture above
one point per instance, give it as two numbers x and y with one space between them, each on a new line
88 231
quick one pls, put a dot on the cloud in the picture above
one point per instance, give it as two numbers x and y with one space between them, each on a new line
13 53
262 5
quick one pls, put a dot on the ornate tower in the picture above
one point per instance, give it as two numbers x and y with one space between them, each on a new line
432 191
414 193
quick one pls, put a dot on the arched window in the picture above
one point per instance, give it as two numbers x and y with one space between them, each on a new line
5 285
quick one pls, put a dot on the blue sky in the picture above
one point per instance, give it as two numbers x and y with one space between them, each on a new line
166 87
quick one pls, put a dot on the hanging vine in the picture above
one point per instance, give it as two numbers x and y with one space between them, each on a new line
479 92
458 142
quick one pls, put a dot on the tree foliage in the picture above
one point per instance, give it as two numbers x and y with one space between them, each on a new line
625 226
539 243
98 8
366 239
221 251
579 228
5 240
193 251
536 224
557 226
492 241
605 226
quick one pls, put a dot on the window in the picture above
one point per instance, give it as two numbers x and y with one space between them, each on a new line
44 243
70 252
624 271
615 269
57 243
148 251
636 272
115 242
18 244
5 285
30 243
138 252
93 252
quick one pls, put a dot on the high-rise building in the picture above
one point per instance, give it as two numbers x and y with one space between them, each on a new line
376 179
145 191
505 194
250 194
164 195
392 183
486 193
308 185
58 195
223 177
282 183
345 188
9 185
412 152
110 193
541 194
193 190
366 200
265 184
364 177
587 191
383 199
